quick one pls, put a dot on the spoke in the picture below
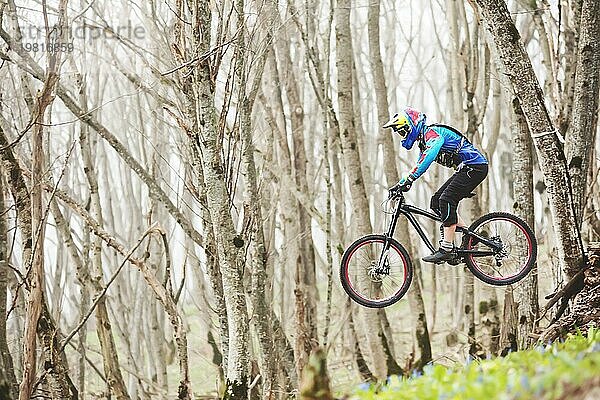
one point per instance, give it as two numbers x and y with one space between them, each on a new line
395 255
388 292
396 285
399 273
367 260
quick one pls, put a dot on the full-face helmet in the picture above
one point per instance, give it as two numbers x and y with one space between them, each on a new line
409 124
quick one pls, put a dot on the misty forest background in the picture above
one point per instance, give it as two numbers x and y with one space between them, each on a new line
180 178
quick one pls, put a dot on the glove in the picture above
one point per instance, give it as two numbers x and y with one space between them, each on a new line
403 185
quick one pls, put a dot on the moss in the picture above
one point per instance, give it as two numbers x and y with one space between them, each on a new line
483 307
493 305
540 372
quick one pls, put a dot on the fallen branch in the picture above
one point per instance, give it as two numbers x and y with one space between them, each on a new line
565 294
585 310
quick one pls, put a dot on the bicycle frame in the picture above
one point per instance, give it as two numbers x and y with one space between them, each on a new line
408 210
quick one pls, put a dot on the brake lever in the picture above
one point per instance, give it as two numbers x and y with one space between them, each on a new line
395 195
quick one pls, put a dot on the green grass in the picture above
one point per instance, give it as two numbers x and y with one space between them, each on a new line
539 373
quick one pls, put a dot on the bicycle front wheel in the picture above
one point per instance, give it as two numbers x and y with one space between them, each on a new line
515 253
372 279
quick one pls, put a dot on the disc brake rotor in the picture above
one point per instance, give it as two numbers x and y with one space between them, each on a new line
375 271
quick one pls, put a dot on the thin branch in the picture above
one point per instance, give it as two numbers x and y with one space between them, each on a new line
105 288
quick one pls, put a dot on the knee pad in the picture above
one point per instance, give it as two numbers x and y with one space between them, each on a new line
448 211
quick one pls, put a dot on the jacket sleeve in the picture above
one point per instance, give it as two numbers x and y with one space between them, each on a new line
433 145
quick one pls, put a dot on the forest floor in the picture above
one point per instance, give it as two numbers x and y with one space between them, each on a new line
566 370
449 342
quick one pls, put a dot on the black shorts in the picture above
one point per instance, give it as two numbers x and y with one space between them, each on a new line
459 186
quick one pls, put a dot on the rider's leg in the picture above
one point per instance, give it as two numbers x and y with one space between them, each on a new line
459 186
449 220
450 231
448 203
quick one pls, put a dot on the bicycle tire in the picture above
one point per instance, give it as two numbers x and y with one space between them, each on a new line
354 292
523 270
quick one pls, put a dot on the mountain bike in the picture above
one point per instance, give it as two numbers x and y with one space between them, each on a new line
376 271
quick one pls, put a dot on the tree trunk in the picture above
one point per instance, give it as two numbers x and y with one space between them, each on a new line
508 330
212 267
229 244
8 382
261 320
35 298
305 281
582 129
83 278
364 371
522 173
545 137
415 297
35 265
469 312
110 358
22 200
290 209
360 204
54 359
572 23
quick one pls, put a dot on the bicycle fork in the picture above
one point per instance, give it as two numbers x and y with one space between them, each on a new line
383 263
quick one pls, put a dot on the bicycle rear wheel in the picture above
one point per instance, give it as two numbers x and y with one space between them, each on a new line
517 253
369 284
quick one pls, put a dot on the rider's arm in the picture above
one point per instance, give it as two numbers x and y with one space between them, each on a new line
433 144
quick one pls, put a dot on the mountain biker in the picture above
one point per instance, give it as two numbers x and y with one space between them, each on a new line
450 148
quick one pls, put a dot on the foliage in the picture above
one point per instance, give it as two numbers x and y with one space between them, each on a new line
540 372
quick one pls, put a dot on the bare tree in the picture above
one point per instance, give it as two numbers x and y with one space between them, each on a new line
419 317
546 140
545 137
527 307
229 243
582 129
352 161
8 381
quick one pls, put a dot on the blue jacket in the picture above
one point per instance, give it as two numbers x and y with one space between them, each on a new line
441 138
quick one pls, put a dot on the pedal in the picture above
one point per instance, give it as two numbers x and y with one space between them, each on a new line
454 261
